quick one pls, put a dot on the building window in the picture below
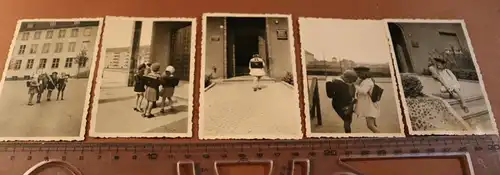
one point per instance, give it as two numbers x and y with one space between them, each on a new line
62 33
76 22
71 46
17 64
85 45
55 63
59 47
49 34
52 24
34 48
42 64
25 36
74 32
46 48
30 64
68 63
31 25
87 32
37 34
22 48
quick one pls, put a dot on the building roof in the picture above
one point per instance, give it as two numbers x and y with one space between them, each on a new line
57 25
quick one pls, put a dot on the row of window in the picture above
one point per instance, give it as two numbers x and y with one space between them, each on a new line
49 34
46 47
43 63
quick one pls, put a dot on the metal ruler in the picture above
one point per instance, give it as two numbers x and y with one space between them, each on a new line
477 154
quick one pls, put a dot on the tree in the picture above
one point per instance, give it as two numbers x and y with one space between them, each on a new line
80 60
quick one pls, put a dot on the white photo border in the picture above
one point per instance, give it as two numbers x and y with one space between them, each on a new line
201 113
476 66
95 105
305 88
89 83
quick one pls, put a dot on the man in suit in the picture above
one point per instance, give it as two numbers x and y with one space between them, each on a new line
342 92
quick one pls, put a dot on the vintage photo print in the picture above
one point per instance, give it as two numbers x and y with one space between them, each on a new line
144 83
441 82
350 87
248 78
46 83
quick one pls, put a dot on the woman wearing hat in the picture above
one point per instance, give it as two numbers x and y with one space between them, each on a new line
152 83
257 70
365 107
449 82
168 83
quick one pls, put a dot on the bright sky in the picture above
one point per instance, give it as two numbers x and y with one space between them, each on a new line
118 32
362 41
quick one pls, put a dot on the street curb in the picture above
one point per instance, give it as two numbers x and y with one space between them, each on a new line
287 85
210 86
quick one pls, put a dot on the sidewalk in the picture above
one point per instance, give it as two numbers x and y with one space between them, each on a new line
116 115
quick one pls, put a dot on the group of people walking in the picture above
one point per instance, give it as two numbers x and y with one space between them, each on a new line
148 80
355 93
39 83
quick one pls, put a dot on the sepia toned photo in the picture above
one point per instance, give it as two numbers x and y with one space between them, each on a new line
144 82
350 87
441 82
248 88
45 88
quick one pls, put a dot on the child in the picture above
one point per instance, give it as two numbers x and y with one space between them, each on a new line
448 81
169 82
32 89
61 85
139 88
42 85
257 70
152 84
52 83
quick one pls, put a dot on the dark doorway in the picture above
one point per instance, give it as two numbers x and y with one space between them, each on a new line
400 49
243 39
180 48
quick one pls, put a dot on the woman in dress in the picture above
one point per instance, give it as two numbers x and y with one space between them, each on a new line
169 82
257 70
365 107
152 84
62 81
139 87
427 112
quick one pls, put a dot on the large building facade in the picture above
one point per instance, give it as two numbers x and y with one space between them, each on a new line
231 42
46 47
414 43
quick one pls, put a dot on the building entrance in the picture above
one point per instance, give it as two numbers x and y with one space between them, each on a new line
400 49
245 37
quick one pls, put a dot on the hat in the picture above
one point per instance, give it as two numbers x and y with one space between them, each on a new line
54 73
155 67
439 59
170 69
350 74
255 55
361 69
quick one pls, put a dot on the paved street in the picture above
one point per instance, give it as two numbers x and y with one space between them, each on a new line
47 119
116 115
388 121
234 110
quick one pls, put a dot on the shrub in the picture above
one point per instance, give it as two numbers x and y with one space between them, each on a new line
288 78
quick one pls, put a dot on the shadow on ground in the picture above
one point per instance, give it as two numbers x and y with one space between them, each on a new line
180 126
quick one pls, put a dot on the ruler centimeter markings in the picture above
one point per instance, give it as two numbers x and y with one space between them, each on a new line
322 154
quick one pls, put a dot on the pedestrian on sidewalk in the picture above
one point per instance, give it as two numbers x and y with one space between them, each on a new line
151 93
257 70
51 84
449 82
61 85
139 87
342 92
169 82
32 89
365 107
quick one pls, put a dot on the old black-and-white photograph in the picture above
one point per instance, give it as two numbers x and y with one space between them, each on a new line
144 85
442 86
249 87
350 87
46 85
